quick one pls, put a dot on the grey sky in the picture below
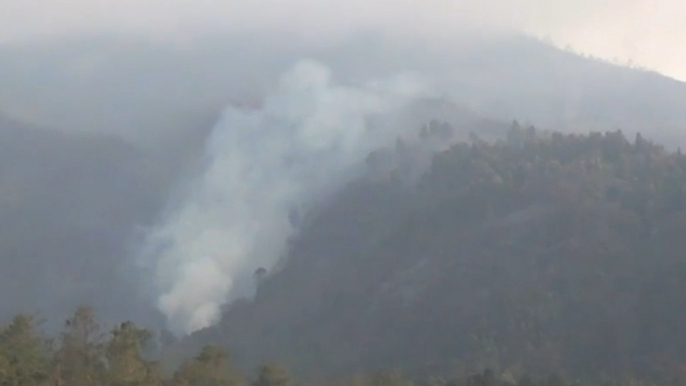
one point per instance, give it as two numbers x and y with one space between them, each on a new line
649 33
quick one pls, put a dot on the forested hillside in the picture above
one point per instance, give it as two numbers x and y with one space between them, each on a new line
74 196
539 255
542 252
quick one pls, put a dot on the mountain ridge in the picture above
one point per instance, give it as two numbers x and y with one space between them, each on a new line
528 253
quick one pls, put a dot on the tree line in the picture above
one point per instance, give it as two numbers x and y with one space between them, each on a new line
83 355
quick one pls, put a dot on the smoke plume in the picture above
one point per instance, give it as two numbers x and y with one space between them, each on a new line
307 138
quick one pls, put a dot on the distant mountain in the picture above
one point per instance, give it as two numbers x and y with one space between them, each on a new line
148 91
527 80
68 206
540 252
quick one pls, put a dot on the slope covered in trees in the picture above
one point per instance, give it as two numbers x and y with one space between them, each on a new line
68 234
534 255
540 253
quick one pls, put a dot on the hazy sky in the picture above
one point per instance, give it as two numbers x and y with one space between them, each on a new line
650 33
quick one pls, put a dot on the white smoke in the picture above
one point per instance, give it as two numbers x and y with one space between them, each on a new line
306 139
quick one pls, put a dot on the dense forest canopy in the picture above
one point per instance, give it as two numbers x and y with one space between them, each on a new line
542 251
87 198
559 256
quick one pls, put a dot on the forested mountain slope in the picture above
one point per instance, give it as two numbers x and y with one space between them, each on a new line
542 252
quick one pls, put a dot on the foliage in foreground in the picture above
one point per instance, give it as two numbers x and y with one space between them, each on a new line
83 356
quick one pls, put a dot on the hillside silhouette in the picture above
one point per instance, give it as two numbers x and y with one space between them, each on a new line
540 251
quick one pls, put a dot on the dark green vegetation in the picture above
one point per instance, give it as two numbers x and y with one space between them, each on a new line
541 253
85 356
66 240
538 254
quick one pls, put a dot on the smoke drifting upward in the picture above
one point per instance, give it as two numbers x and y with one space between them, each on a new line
306 139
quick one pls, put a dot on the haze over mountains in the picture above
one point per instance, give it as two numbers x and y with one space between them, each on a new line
140 89
107 139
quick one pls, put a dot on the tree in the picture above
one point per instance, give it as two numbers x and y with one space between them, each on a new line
126 365
80 359
272 374
24 354
391 378
209 368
